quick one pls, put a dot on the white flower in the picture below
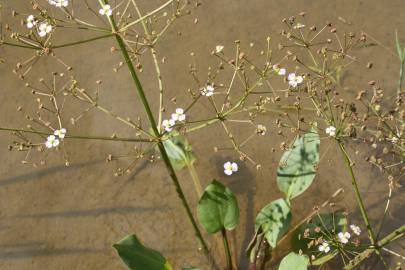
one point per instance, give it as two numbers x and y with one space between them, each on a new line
106 10
282 71
59 3
279 71
44 29
261 130
60 133
324 247
394 139
51 141
208 91
299 26
168 124
344 237
230 168
179 115
294 80
31 21
219 48
331 131
356 229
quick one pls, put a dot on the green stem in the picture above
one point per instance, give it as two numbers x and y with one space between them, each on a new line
370 231
165 157
227 250
156 63
196 180
18 45
146 16
81 41
358 195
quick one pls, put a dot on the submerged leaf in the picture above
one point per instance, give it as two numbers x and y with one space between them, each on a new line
297 166
294 261
273 220
179 151
138 257
218 208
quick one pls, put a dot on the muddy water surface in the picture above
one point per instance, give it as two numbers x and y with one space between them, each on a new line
61 217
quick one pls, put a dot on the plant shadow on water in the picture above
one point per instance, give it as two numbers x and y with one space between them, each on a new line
243 184
43 173
40 249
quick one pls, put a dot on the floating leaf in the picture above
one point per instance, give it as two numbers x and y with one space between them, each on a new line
294 261
320 225
179 151
138 257
274 220
297 166
218 208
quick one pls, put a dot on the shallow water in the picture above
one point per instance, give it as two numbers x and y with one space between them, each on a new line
61 217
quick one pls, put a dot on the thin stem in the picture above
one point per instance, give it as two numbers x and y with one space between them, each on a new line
398 233
19 45
370 231
401 75
196 179
387 205
165 157
87 137
227 250
357 193
146 16
81 41
156 63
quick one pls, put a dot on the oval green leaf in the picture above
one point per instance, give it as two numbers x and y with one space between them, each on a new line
297 165
274 220
138 257
218 208
294 261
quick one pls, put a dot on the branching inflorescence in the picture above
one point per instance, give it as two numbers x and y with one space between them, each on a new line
302 88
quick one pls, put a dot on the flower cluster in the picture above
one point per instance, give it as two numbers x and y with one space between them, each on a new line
44 28
178 115
208 91
59 3
343 237
54 140
106 10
